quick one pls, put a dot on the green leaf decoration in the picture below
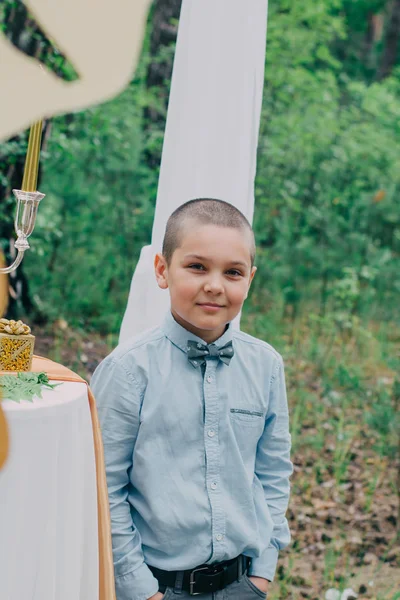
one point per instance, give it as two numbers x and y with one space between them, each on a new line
25 386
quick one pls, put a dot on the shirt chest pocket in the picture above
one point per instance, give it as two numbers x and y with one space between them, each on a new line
247 426
247 417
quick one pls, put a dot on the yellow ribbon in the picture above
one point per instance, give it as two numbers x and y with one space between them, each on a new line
14 327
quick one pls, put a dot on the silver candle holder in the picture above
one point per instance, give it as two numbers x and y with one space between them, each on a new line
25 218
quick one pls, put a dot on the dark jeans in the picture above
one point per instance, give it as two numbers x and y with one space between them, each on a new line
243 589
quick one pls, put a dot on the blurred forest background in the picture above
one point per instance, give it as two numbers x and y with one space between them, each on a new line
327 223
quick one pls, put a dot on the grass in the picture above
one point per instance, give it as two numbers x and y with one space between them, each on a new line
345 447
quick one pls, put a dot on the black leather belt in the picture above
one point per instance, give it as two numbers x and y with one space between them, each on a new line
205 578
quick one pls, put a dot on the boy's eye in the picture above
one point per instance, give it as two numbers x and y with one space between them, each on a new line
200 267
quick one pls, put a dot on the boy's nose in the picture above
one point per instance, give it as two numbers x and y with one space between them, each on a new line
214 285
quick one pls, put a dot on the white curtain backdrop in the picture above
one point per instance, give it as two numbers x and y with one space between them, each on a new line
211 132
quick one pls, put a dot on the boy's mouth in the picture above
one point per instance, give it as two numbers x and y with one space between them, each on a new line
210 305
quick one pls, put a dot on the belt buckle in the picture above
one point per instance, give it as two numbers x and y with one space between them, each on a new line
192 580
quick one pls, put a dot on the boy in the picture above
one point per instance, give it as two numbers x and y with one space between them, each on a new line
195 427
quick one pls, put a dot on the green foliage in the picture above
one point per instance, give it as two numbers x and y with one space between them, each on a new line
95 217
11 152
327 221
383 418
24 386
328 175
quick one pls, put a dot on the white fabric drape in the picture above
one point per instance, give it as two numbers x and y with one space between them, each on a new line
48 500
211 132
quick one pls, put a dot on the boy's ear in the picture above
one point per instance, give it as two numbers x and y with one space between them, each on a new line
253 272
161 271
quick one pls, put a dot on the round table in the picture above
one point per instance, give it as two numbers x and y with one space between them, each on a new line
48 499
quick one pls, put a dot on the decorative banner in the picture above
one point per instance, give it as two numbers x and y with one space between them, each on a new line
211 135
102 41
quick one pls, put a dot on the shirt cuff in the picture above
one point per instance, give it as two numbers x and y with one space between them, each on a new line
265 565
139 584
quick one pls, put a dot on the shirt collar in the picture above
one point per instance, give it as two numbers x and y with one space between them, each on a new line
179 336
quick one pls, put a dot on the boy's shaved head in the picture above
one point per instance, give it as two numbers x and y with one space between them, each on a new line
205 211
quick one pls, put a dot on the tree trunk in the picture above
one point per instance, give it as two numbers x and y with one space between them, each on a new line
374 34
392 38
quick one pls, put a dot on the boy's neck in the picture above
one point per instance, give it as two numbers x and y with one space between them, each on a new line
209 337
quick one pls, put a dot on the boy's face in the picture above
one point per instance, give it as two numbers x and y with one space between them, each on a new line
208 278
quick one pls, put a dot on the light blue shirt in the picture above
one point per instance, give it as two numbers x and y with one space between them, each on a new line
197 459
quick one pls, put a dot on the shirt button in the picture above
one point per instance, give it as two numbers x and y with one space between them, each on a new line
209 379
214 485
219 537
211 433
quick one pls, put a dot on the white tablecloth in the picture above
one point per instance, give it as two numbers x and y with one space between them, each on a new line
48 499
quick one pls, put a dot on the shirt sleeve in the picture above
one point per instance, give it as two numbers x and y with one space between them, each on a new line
273 468
118 402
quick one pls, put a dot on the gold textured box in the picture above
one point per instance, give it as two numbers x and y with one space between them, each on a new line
16 352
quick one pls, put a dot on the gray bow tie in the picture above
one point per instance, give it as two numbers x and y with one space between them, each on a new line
197 352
